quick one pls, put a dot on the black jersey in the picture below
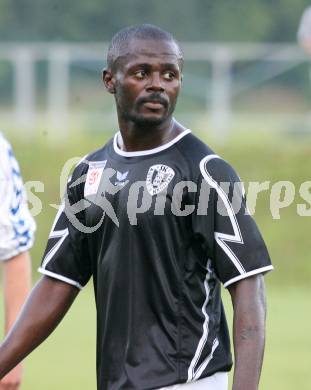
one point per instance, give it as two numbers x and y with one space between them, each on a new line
159 231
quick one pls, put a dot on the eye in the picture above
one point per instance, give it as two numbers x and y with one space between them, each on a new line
169 75
140 74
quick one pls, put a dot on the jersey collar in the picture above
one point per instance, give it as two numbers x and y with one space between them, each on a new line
148 151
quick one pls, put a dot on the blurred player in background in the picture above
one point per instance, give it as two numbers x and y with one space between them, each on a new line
304 40
16 237
157 267
304 31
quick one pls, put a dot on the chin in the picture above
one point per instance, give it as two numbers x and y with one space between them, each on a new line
148 120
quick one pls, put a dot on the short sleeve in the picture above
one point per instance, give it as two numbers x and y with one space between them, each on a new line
66 257
17 226
237 248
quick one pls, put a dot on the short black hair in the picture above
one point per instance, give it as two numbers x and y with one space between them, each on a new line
142 31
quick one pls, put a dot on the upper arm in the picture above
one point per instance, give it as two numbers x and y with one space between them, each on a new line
18 266
51 287
249 293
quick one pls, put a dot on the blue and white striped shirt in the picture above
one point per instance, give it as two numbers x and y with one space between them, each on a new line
17 226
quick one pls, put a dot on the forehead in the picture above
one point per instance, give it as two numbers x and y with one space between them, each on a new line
149 51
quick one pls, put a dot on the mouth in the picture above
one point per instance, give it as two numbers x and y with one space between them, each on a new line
153 105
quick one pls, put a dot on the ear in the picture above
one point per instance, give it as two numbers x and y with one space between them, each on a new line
109 81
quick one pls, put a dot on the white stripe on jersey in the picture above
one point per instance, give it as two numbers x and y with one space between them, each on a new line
222 238
61 234
204 364
192 373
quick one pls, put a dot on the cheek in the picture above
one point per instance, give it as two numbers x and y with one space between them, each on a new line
128 91
173 92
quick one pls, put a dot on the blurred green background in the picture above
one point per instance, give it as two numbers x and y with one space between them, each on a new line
77 20
267 137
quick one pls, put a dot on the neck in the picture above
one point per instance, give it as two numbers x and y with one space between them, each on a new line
145 136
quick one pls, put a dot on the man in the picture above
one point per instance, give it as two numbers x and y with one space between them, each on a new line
148 218
16 237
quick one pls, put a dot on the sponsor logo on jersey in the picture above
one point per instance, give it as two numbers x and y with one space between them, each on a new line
93 177
158 178
121 178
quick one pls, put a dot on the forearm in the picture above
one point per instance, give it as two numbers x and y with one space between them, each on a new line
44 309
248 333
16 286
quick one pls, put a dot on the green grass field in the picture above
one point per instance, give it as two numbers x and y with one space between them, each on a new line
67 359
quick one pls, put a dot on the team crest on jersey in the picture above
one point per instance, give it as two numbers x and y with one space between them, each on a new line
93 177
158 178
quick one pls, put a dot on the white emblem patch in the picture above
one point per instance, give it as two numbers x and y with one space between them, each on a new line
94 174
158 177
121 179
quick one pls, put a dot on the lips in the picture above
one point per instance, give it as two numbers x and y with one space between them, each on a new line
153 105
154 102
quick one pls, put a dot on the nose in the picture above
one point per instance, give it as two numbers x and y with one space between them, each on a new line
155 82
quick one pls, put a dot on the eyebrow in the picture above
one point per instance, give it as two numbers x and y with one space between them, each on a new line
167 65
170 65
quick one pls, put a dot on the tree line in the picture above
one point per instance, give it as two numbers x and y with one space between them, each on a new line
188 20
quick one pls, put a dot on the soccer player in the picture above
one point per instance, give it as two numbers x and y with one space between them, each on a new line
159 221
16 237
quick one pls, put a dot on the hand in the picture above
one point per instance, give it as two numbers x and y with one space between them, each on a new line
12 380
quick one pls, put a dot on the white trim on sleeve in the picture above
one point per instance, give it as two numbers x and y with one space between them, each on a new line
60 277
247 274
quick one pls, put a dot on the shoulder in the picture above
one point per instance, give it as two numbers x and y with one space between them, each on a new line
215 169
5 146
191 150
3 140
7 159
97 156
208 163
93 162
